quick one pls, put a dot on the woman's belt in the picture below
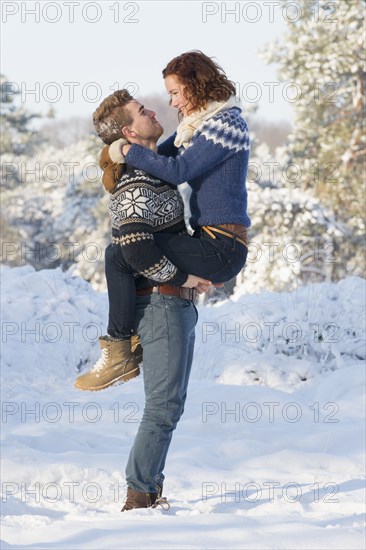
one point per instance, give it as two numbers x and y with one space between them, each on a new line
233 230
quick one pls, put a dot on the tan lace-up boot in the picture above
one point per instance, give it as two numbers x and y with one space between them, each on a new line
136 348
116 365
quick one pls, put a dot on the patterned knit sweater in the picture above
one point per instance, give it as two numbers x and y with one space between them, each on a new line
140 206
215 165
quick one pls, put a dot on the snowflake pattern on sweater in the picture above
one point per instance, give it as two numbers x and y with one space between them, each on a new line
226 129
140 206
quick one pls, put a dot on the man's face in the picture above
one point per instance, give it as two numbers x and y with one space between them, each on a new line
144 125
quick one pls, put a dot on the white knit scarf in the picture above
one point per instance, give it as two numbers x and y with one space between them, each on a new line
189 124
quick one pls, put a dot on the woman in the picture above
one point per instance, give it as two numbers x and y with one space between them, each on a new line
210 150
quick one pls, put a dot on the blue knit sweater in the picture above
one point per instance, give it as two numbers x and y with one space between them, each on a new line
215 165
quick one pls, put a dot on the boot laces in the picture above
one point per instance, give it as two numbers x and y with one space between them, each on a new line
102 361
162 501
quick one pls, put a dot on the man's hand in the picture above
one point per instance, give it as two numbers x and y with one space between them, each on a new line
198 283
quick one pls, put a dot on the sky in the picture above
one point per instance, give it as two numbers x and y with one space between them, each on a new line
72 54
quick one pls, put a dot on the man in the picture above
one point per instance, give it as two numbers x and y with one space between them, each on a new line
165 315
141 208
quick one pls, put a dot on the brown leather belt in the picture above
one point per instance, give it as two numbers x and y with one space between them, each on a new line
233 230
169 290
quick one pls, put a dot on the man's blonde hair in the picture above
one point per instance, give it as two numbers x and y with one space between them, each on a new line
111 116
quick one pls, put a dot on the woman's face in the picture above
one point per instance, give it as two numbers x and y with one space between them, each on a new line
175 89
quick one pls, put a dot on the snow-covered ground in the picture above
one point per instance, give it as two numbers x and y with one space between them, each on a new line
268 455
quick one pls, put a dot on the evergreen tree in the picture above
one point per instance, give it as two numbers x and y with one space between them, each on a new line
324 53
16 135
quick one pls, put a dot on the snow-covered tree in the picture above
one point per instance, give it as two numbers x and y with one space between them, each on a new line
324 53
16 135
56 219
294 238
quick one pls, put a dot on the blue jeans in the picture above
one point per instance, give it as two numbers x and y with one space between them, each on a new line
166 326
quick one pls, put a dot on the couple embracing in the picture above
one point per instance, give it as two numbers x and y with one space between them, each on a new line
154 268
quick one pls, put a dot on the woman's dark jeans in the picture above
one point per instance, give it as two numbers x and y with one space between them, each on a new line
218 260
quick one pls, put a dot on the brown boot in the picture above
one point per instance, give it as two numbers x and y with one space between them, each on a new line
136 499
117 365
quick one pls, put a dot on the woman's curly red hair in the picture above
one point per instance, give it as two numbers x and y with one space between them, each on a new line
203 79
